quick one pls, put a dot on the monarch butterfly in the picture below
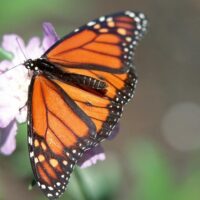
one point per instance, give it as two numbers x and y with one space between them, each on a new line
77 93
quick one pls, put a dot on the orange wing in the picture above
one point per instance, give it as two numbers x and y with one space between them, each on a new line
104 44
103 109
59 133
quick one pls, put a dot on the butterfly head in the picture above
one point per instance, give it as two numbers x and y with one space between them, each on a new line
31 64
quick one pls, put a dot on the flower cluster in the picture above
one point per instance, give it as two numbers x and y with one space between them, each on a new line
14 83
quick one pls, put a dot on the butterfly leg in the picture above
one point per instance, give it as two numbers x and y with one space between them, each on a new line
20 109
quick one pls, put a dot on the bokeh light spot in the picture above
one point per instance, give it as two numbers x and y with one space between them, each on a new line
181 126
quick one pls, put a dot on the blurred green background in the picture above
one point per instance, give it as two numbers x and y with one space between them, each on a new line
156 154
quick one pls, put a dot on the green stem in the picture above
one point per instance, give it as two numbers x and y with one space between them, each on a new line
5 55
81 184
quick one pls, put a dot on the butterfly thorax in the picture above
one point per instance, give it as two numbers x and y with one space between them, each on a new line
42 66
35 65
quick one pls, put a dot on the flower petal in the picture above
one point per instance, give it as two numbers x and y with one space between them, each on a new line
91 157
7 138
7 109
14 44
4 65
50 36
22 115
34 48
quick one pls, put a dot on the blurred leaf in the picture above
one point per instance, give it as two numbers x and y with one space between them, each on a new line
152 171
102 180
22 136
22 13
20 159
99 182
74 190
4 55
188 189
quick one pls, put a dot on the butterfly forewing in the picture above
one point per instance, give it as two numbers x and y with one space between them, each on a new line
104 44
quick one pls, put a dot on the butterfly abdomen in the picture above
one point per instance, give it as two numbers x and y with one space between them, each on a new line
88 81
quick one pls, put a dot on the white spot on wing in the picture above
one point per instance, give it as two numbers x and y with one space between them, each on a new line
49 195
58 184
101 19
76 30
91 23
31 154
50 188
43 186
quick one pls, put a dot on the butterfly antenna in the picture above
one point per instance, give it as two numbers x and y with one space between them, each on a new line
1 73
21 48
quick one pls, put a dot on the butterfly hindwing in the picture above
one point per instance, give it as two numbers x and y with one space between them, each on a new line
103 109
55 143
105 44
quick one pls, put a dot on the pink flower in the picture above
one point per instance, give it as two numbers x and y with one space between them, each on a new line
14 89
14 83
